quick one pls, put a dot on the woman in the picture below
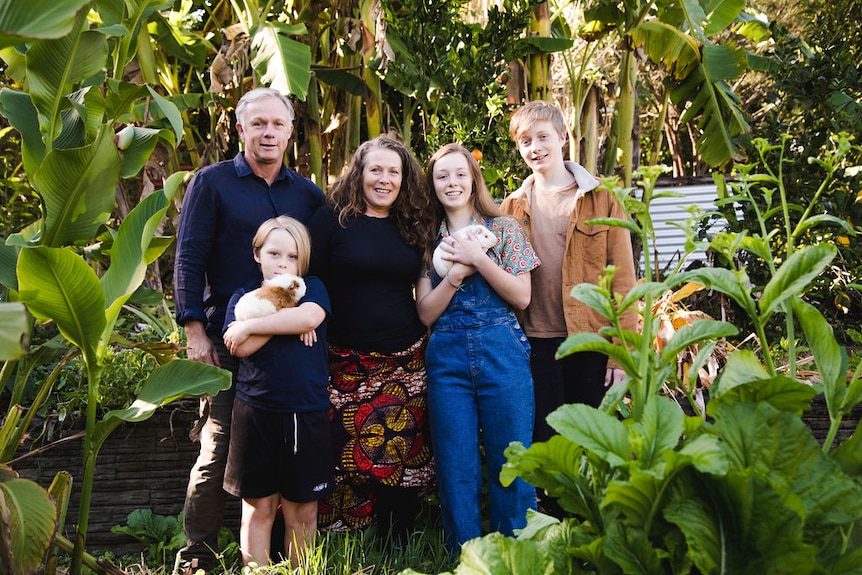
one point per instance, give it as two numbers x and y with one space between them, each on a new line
367 247
480 391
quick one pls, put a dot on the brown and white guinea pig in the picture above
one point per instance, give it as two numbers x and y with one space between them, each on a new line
486 239
284 290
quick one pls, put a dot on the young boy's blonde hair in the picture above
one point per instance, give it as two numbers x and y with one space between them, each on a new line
532 112
297 231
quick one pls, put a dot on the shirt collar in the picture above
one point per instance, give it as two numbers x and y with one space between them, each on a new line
243 169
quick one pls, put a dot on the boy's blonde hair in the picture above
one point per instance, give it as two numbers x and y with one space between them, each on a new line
532 112
297 231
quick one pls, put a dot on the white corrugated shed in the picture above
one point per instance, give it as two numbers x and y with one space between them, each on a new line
670 239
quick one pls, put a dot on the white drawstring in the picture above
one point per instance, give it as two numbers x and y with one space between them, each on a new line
295 435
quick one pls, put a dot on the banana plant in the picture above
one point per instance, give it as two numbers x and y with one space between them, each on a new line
58 285
74 158
679 35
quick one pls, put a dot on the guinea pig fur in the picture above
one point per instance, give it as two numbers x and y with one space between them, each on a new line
284 290
486 239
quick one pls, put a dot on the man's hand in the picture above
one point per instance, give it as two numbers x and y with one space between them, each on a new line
198 344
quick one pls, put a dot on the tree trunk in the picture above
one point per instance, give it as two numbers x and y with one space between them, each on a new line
369 10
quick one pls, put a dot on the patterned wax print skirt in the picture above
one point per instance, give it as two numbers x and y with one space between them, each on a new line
379 419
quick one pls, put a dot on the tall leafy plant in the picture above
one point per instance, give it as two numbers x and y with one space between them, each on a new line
746 490
682 36
74 158
447 71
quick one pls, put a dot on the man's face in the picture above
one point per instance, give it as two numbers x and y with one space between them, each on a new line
541 146
265 130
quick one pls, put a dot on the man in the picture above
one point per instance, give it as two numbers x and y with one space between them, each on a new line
222 209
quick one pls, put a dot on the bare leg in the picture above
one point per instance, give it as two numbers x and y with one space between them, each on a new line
256 528
300 527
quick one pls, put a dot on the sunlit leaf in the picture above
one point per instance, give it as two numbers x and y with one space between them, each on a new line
174 380
794 276
599 432
283 63
14 329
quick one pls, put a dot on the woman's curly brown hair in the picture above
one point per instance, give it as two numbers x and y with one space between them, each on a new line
411 209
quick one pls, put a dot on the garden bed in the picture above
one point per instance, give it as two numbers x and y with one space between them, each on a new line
141 466
146 466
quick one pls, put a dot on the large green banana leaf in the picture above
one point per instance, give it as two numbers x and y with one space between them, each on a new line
21 21
55 66
700 72
283 63
78 187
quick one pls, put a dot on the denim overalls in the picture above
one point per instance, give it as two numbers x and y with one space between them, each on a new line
478 362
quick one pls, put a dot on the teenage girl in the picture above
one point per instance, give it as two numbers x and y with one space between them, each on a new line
480 391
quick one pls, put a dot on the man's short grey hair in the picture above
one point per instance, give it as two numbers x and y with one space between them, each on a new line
259 94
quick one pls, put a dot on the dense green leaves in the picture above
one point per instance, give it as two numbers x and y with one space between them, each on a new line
743 488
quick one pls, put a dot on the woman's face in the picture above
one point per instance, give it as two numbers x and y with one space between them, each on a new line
381 181
453 182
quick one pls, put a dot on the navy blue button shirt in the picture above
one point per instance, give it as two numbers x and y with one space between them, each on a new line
223 206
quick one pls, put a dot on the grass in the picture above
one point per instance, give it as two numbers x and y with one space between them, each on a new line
349 553
361 552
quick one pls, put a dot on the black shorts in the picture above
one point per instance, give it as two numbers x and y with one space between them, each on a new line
285 453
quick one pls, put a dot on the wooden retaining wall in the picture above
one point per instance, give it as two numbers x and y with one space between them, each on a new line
141 466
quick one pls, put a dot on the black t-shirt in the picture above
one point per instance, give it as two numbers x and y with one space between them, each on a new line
285 375
370 273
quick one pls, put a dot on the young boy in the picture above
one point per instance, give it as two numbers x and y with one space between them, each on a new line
279 450
552 206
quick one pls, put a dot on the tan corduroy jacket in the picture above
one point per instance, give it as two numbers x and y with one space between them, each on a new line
589 248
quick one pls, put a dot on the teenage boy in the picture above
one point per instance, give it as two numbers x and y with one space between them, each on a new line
553 205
